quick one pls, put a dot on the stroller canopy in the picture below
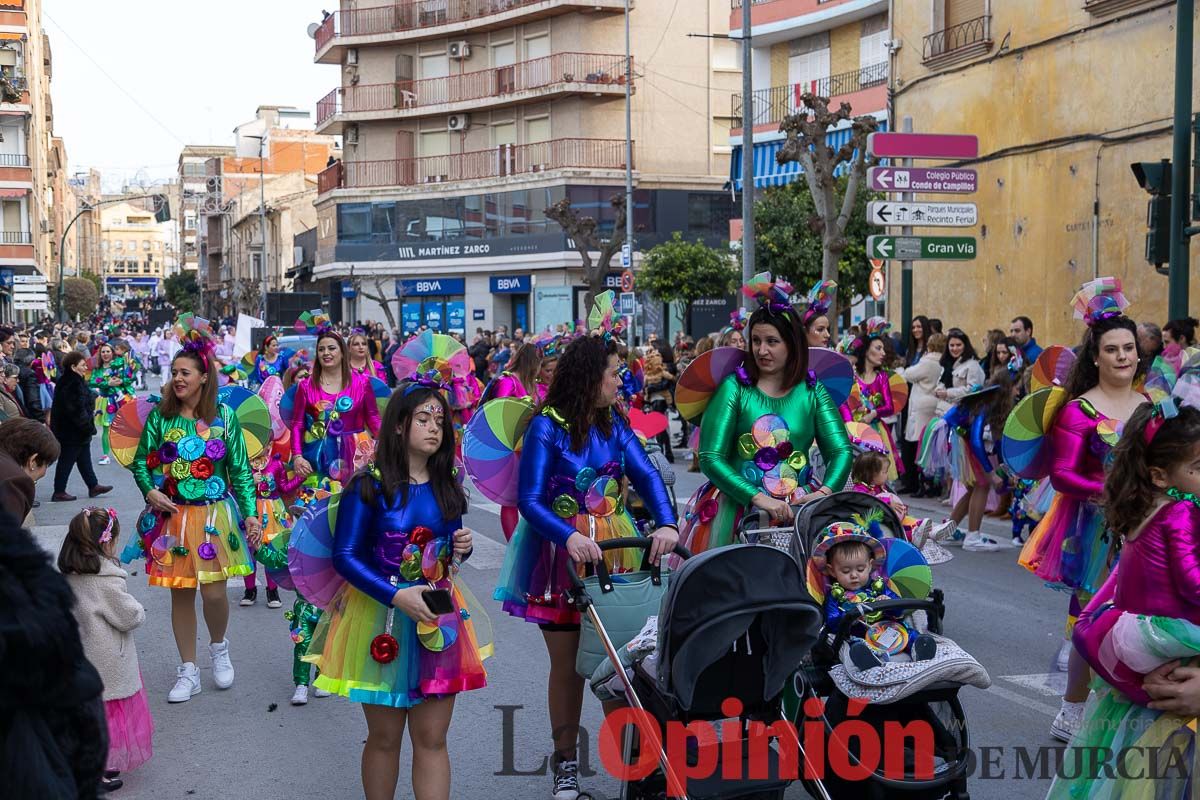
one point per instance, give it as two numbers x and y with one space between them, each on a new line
713 600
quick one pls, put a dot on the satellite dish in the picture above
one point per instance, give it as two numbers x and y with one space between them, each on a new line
312 30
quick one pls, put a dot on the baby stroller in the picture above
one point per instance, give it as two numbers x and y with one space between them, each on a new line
733 625
916 691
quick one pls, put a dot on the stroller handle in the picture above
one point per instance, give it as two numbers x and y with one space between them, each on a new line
643 543
934 606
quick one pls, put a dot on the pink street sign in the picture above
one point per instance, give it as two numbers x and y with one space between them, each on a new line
950 146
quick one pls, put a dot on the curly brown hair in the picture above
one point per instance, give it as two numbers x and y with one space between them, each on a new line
1129 490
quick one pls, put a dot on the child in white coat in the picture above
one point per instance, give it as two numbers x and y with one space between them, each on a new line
107 615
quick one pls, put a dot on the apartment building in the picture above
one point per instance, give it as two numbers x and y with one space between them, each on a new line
194 191
85 233
833 48
463 120
1063 97
269 172
135 249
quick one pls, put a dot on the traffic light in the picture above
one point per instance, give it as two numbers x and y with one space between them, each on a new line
162 208
1155 178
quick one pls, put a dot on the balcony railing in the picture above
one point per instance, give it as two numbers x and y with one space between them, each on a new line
498 162
407 16
496 82
13 160
777 102
957 37
738 3
16 237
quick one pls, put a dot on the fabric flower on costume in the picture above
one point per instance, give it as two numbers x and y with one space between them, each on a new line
152 460
215 449
214 488
202 468
191 447
174 435
168 452
344 404
181 469
191 488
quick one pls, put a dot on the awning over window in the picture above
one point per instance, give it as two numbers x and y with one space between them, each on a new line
13 194
768 172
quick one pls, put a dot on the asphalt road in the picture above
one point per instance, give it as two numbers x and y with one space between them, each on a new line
249 742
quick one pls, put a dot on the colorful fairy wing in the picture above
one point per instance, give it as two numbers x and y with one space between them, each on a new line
907 570
834 371
491 447
252 415
899 388
863 435
271 393
1024 442
310 553
126 429
1051 367
702 377
382 392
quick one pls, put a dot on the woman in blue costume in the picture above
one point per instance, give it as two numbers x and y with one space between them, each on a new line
399 534
271 360
577 451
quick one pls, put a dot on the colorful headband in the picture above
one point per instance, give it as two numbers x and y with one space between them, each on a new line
1099 300
196 335
270 337
876 328
107 535
1168 392
429 379
820 300
737 320
775 296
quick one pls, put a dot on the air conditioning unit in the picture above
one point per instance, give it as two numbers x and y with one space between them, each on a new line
352 55
351 134
458 122
459 50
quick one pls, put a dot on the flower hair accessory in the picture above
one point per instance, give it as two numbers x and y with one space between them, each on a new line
111 515
820 300
603 317
775 296
1099 300
737 320
195 333
429 379
876 328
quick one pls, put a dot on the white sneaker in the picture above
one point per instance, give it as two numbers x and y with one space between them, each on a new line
1018 542
943 530
920 533
300 696
977 542
187 683
222 667
1064 655
319 692
935 554
1068 721
103 460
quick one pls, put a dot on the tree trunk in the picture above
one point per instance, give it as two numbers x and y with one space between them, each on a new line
383 301
830 256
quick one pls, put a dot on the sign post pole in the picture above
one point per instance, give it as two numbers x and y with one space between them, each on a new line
906 276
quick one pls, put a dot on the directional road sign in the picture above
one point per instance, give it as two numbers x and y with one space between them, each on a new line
905 179
941 215
949 146
922 248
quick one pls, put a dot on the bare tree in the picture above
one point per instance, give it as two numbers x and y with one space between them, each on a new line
806 131
581 230
249 296
381 298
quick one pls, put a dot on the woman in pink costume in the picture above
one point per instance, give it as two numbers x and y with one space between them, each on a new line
361 362
336 418
519 379
1070 547
1148 611
871 397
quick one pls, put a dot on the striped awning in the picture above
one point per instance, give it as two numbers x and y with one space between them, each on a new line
768 172
13 194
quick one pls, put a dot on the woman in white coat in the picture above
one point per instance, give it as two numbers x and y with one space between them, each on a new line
967 373
925 376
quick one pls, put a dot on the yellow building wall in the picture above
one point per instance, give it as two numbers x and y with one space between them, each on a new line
779 64
1059 124
843 48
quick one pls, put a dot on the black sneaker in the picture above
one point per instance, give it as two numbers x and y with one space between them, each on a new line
273 600
566 779
863 656
249 597
924 648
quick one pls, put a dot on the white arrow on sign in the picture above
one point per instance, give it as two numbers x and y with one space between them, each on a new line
884 178
943 215
885 248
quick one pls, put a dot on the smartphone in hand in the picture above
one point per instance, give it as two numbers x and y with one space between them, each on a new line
439 601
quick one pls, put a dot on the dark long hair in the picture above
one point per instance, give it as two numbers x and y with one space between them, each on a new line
316 367
525 364
858 354
787 323
1129 492
1084 374
206 404
575 388
996 405
391 453
912 340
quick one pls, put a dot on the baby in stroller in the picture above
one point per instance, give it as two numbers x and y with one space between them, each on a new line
851 557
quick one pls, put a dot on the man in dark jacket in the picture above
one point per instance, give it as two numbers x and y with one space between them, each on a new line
73 422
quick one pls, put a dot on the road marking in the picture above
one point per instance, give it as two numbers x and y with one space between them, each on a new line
1051 684
1022 700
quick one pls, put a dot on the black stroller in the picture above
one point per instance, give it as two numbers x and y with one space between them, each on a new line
937 704
733 626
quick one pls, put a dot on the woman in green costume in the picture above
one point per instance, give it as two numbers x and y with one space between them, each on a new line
759 426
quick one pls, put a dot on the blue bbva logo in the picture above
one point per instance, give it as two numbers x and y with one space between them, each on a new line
429 286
